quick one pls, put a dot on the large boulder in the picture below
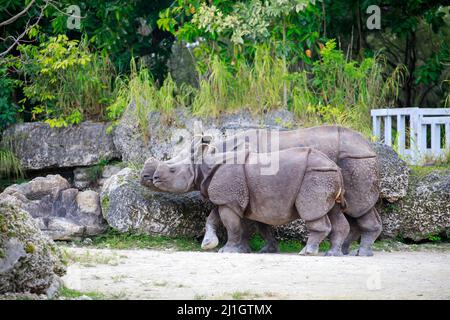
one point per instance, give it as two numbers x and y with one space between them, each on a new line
394 173
128 206
29 260
164 137
423 212
62 212
38 146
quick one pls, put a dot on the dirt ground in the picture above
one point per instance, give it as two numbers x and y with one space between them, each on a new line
152 274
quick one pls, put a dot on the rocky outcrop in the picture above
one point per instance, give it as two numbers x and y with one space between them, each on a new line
38 146
394 173
423 212
29 260
128 206
62 212
164 138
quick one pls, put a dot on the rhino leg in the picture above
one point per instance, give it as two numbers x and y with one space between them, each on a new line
361 193
370 226
210 240
318 231
339 231
266 233
237 233
353 235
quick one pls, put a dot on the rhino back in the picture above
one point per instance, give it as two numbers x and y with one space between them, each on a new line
334 141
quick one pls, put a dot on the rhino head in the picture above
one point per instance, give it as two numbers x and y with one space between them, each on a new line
174 177
180 161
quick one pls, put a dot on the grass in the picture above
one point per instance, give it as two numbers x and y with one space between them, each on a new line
422 171
116 240
241 295
67 293
91 259
10 166
286 246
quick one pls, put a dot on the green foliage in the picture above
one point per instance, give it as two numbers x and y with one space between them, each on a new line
342 91
120 28
10 166
286 246
435 238
64 81
8 109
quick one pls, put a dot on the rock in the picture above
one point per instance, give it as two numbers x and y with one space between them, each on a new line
62 212
82 178
38 146
29 260
394 173
128 206
295 230
423 212
108 172
164 140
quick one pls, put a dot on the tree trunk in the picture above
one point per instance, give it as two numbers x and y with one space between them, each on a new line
410 63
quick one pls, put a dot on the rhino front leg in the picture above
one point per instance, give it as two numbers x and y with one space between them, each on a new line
339 231
237 241
210 240
318 231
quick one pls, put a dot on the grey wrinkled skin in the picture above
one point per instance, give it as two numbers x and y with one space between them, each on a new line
307 185
347 148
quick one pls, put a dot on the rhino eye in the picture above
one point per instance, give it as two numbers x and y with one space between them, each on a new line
172 170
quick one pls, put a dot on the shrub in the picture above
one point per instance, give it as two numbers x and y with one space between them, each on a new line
65 82
8 109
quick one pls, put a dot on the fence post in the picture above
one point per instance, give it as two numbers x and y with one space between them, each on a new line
401 119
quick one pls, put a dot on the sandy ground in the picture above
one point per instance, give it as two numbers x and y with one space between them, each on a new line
151 274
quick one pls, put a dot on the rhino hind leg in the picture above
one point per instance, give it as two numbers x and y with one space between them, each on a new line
354 235
237 233
339 231
371 227
266 233
318 231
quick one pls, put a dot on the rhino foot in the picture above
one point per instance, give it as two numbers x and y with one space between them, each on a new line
362 252
269 248
210 242
334 253
309 251
235 249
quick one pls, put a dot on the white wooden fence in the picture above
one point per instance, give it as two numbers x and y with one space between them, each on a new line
418 131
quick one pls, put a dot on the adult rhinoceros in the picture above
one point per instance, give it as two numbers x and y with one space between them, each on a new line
347 148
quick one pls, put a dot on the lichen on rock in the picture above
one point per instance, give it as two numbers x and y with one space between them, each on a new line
29 260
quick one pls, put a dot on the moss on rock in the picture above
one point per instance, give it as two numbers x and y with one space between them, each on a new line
30 261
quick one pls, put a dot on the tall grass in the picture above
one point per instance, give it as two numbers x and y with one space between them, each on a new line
333 90
10 166
256 87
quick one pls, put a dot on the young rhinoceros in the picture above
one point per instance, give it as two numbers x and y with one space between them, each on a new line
307 185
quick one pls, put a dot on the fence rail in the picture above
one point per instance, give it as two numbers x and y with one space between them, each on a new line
416 132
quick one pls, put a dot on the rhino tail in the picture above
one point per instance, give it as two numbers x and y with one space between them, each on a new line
340 198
